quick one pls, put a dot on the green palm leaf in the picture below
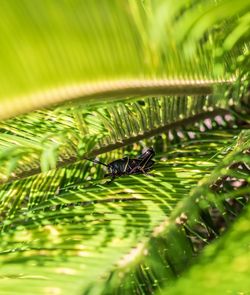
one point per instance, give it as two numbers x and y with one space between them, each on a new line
130 74
215 272
70 228
55 138
67 52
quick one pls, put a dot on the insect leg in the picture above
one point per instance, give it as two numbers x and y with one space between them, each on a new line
111 180
143 163
126 165
145 172
151 155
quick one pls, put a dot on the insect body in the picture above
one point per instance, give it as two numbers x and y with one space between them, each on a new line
126 166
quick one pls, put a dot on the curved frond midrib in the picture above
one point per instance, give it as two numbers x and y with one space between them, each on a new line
99 92
125 142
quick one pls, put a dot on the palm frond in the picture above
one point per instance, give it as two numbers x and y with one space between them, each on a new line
222 267
130 74
76 53
53 138
89 228
199 218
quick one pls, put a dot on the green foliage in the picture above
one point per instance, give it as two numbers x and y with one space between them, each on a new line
131 74
223 267
64 135
52 233
61 51
169 253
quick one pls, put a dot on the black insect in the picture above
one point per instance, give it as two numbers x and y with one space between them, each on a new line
126 166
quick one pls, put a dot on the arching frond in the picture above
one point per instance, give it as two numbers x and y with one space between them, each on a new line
47 139
129 74
231 274
99 49
84 230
